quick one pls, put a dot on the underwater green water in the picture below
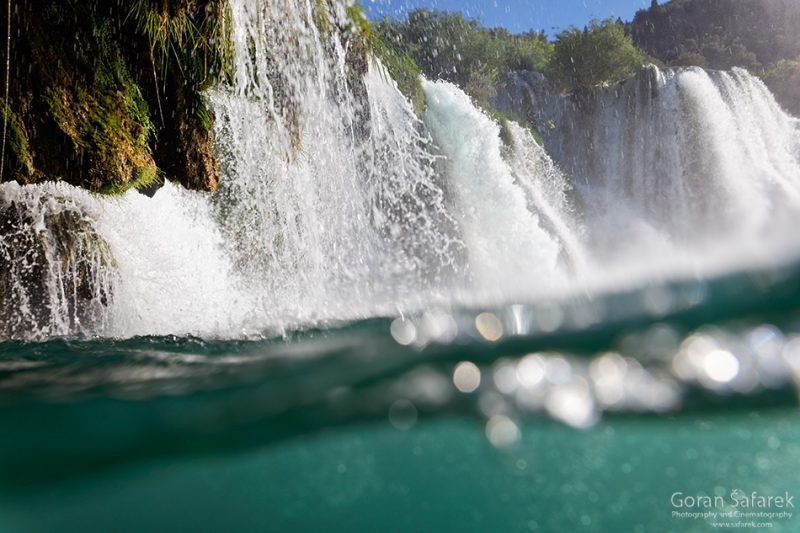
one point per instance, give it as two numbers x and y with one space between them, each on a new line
304 432
442 475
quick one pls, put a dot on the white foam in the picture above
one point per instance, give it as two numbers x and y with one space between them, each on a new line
508 249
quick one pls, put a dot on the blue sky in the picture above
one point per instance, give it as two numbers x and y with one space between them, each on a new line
518 15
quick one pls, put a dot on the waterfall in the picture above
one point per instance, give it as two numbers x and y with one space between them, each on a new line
114 266
56 271
338 203
549 194
686 166
507 245
330 207
329 202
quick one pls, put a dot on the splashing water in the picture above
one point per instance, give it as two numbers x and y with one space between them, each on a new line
679 170
338 203
330 202
506 243
548 194
56 270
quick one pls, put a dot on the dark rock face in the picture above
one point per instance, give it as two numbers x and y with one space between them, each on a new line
56 272
185 150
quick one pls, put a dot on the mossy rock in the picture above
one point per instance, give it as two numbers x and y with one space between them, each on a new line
17 150
108 95
404 71
56 272
114 140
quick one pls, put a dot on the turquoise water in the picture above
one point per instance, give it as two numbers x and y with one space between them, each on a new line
304 432
442 475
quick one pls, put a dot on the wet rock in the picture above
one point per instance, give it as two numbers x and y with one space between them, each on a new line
56 272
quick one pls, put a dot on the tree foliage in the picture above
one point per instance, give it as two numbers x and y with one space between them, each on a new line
760 35
446 45
719 34
449 46
600 53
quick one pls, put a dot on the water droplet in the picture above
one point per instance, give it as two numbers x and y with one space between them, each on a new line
489 326
403 332
467 377
403 415
721 366
502 432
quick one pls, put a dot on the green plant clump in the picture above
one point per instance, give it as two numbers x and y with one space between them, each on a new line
19 153
598 54
102 111
445 45
187 37
403 70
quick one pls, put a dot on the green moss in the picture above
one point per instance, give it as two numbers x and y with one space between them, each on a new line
142 178
103 125
403 70
187 37
17 147
204 115
360 22
359 35
84 110
104 113
322 18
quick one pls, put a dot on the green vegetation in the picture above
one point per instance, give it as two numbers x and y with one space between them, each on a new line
195 42
444 45
719 33
404 71
103 112
93 82
359 36
93 101
600 53
758 35
17 148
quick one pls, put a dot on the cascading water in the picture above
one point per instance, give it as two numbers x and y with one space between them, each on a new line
55 268
331 206
548 193
508 247
338 203
330 201
115 266
681 166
